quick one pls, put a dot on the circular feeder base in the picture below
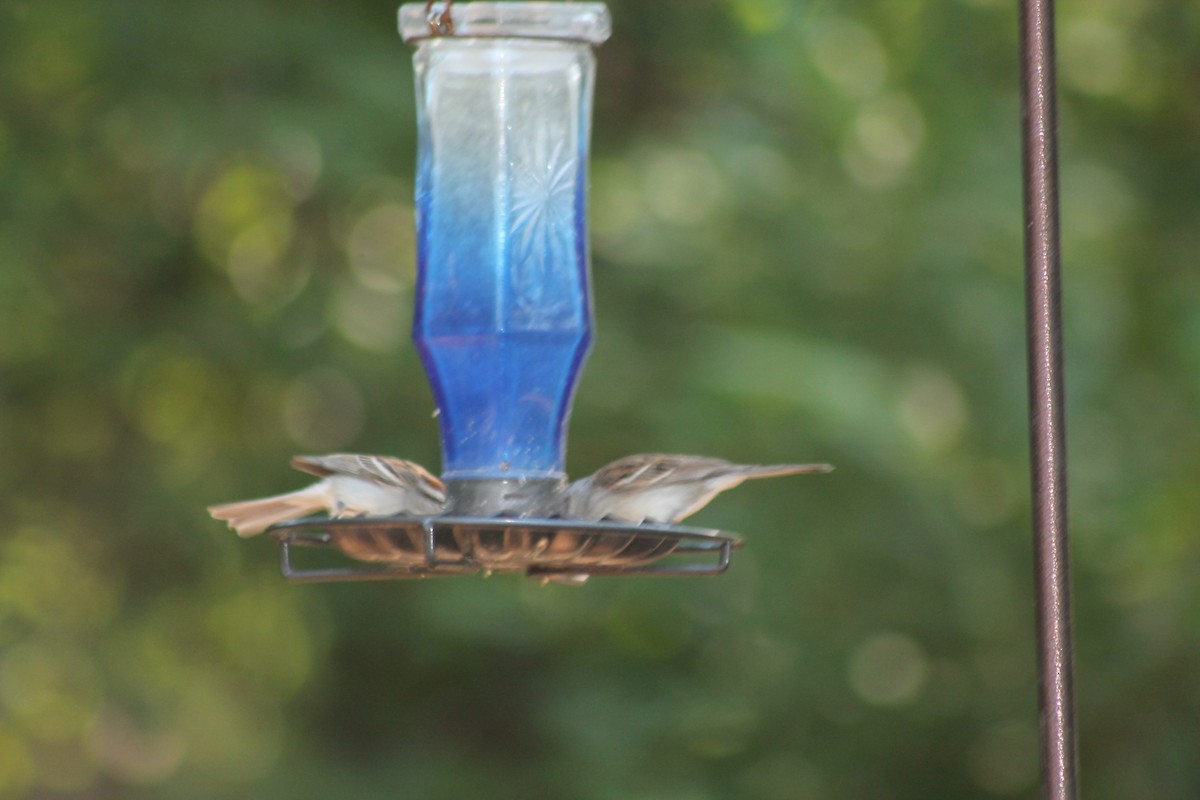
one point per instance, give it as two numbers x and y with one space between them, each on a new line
396 548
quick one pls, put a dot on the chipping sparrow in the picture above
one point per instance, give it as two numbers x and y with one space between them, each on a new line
662 488
351 485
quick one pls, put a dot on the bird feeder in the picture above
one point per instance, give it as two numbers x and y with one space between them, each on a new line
503 318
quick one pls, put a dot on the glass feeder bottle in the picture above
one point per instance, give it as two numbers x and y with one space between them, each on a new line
503 306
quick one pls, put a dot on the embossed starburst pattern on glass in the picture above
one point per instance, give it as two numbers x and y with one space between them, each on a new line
544 181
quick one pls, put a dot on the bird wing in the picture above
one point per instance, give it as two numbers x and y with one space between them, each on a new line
653 469
650 469
385 470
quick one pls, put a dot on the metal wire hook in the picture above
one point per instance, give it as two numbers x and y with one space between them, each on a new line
440 24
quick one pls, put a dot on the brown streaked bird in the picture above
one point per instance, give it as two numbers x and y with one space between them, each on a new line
663 488
351 485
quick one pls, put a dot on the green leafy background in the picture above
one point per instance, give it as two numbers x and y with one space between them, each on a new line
807 245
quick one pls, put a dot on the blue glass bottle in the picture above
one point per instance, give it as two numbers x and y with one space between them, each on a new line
503 307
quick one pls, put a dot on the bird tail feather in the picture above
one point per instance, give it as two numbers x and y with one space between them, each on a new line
250 517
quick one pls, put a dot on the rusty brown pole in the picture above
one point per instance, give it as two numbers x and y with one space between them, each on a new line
1056 703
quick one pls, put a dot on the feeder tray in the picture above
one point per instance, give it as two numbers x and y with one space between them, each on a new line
398 548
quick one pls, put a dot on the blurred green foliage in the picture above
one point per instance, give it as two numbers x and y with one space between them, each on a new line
807 246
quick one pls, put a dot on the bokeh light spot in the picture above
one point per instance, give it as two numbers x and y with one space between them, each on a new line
62 769
323 410
131 753
933 409
615 199
54 57
52 690
372 320
988 493
256 265
300 154
228 733
1099 200
244 224
381 248
181 400
261 631
759 16
683 187
888 669
1096 56
848 56
784 776
883 141
719 729
76 429
1004 760
16 764
46 580
765 173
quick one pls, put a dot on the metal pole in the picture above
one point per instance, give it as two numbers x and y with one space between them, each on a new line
1056 702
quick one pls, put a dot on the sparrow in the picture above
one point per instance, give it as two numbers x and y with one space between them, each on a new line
663 488
351 485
